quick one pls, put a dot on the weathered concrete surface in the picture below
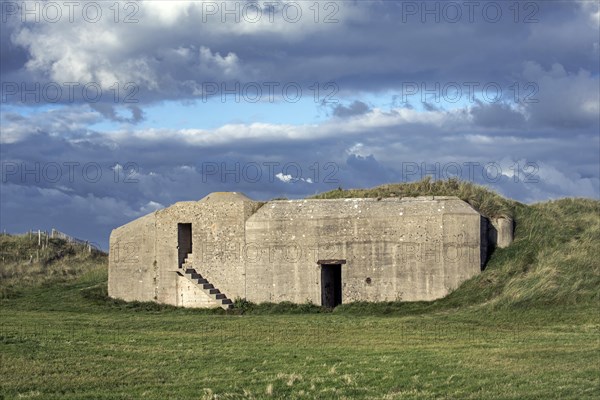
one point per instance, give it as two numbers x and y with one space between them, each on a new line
503 231
133 273
144 258
191 296
393 249
409 249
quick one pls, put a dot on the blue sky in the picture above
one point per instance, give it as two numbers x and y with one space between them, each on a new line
104 121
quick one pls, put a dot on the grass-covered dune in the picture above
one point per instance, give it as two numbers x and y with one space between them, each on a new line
27 262
525 328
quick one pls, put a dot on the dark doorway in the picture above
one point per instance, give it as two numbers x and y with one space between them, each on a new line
331 285
184 241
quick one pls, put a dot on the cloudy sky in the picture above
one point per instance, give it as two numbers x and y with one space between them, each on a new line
113 110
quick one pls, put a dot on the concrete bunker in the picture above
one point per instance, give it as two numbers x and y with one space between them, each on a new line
328 251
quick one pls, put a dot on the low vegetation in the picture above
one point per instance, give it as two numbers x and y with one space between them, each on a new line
525 328
484 200
26 261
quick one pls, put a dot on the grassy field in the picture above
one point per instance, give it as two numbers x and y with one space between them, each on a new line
58 345
528 327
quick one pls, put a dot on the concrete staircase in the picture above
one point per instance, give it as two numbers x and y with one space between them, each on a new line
206 286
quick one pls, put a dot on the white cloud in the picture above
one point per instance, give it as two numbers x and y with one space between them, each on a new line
287 178
284 178
151 206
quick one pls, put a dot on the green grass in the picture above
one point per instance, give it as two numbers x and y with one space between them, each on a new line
486 201
24 263
57 344
525 328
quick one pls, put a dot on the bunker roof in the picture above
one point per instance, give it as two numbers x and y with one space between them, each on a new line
333 208
226 197
342 208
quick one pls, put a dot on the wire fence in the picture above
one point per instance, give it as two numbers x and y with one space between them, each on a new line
43 236
55 233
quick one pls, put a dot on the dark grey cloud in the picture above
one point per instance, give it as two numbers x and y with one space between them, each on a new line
355 108
110 112
430 107
12 56
373 46
497 115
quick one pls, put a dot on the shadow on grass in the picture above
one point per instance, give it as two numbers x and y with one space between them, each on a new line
98 294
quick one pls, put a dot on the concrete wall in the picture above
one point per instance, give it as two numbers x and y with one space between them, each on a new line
218 237
132 271
191 296
502 231
144 259
394 249
410 249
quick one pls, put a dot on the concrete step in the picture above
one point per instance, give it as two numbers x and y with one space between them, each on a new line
196 278
208 287
199 280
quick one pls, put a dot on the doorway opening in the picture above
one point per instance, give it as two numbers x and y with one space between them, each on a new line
331 282
184 241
